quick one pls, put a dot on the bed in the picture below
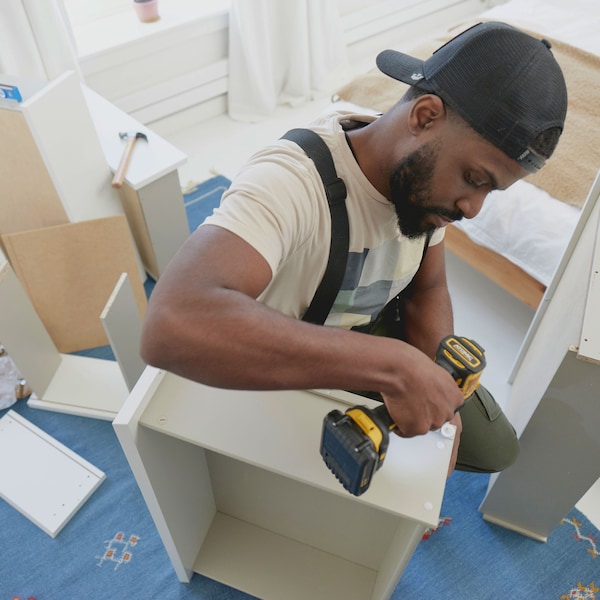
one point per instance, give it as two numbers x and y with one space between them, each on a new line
521 233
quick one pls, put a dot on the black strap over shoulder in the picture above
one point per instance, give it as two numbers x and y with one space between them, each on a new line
335 189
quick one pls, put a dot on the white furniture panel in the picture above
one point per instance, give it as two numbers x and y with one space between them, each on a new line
555 396
123 326
43 479
59 120
67 383
151 195
239 492
558 463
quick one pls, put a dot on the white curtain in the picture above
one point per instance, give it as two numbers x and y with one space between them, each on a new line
281 51
35 39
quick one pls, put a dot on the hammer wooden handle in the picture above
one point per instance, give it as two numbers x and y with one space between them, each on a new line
119 176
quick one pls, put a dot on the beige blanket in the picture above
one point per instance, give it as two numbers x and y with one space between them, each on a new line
570 172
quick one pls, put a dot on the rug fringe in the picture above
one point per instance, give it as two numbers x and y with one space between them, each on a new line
190 186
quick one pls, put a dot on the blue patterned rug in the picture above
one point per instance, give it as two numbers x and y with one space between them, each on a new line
110 550
200 200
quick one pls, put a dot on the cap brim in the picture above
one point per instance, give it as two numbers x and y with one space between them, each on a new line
401 66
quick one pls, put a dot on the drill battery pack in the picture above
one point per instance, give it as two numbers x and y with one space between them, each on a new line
348 455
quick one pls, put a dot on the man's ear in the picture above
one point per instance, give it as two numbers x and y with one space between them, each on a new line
425 113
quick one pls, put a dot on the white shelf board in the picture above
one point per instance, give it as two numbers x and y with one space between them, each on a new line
273 566
40 477
84 386
410 483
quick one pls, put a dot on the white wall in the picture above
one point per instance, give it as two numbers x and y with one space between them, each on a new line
181 73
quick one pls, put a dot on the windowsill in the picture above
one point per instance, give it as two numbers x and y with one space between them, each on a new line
124 28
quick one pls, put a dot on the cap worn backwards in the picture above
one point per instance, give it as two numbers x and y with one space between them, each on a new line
503 82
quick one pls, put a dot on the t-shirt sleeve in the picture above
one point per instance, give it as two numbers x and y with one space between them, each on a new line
273 204
438 236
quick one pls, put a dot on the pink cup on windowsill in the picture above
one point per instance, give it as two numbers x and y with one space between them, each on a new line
146 11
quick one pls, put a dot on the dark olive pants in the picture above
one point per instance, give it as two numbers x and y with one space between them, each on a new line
488 442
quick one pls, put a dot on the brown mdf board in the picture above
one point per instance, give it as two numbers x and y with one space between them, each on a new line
69 272
29 197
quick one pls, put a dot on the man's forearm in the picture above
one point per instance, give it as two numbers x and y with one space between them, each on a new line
239 343
233 341
428 318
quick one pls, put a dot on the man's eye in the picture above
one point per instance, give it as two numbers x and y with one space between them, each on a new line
473 180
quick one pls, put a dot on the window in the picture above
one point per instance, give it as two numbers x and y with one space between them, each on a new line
99 25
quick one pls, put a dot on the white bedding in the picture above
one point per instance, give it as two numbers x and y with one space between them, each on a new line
525 225
572 21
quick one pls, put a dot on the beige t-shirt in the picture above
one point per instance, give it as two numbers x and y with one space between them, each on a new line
277 204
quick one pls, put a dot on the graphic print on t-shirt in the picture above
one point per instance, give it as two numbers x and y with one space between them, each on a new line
372 278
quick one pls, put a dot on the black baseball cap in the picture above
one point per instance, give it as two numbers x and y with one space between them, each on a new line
503 82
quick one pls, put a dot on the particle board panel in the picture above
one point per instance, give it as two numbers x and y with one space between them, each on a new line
165 217
29 197
257 496
43 480
69 272
150 162
411 483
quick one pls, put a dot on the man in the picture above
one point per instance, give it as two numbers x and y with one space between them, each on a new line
483 111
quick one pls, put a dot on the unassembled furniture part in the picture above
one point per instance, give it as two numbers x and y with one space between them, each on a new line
123 326
67 383
57 170
52 168
151 195
555 396
559 455
40 477
238 491
69 271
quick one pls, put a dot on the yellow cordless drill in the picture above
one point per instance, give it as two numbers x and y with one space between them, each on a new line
354 443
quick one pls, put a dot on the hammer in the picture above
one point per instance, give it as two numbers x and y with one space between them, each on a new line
132 137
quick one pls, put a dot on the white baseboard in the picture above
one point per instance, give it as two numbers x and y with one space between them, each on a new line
171 124
180 93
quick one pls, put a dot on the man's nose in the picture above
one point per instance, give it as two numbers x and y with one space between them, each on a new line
470 205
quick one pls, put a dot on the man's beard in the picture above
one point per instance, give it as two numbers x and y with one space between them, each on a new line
410 188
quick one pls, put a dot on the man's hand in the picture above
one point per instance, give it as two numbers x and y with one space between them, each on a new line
428 398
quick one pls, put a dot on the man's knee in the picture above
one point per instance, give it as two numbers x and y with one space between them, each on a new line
488 442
